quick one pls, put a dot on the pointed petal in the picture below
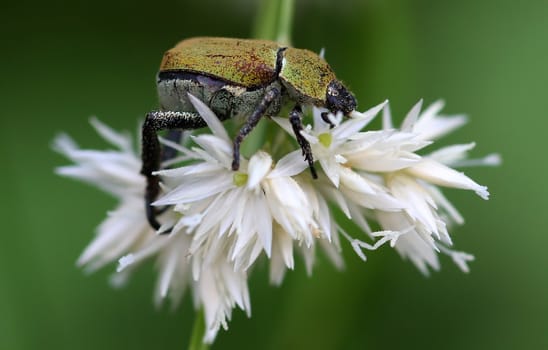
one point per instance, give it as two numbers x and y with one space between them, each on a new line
284 124
211 119
442 175
290 165
197 188
387 118
411 117
357 123
258 167
120 140
451 154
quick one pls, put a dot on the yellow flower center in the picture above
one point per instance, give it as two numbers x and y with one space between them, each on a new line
325 139
239 179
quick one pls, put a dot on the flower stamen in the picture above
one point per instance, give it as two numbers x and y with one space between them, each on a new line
240 179
325 139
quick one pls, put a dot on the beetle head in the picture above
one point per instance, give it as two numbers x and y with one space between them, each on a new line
338 98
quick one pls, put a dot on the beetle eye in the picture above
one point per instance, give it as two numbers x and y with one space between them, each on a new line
333 91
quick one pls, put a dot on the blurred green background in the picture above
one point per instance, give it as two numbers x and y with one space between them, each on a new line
63 61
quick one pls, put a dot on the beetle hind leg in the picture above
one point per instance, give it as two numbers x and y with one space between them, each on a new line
152 150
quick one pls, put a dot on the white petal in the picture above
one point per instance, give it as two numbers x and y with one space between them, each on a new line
263 222
431 126
451 154
411 117
196 188
282 256
352 181
331 169
431 112
214 148
409 245
419 205
333 252
122 141
356 123
259 166
290 165
387 118
442 175
198 169
309 256
359 219
338 197
444 203
493 159
210 118
64 144
285 124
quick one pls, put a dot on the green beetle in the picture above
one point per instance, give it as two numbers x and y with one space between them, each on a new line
235 77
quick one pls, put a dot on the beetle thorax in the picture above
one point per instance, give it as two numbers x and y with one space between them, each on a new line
305 76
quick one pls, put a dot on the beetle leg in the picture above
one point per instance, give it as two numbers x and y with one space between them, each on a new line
271 94
152 151
169 153
295 118
326 119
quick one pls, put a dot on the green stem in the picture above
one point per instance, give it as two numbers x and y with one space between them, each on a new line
265 20
274 21
285 22
198 331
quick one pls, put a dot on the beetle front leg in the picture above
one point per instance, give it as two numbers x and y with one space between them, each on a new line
271 94
152 151
295 118
325 118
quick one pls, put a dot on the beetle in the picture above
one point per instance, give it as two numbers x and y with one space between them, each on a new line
235 77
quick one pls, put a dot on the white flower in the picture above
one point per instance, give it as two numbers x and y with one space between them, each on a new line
240 208
126 235
351 160
218 288
427 214
116 172
221 222
379 175
343 150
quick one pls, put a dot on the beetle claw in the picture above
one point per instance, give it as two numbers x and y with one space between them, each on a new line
235 164
325 118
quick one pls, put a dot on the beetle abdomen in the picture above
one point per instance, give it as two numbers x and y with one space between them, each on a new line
224 99
247 63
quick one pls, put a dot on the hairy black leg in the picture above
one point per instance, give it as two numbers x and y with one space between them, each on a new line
295 118
152 151
169 153
271 94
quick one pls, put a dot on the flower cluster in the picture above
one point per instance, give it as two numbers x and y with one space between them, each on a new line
223 221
